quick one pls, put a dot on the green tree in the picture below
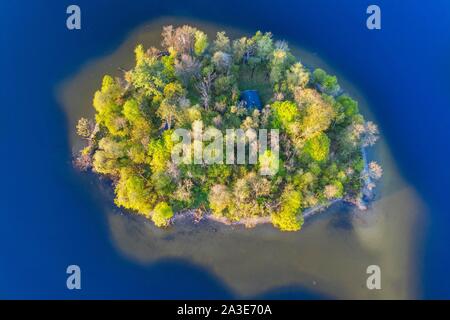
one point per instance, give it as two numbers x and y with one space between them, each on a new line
269 163
222 42
162 183
284 113
131 111
220 199
140 55
289 218
161 214
201 42
317 118
133 193
159 151
150 75
318 147
350 105
297 77
222 61
264 45
327 83
280 61
108 159
107 104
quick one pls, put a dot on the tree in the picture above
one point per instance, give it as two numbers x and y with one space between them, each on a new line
277 65
327 83
181 39
242 50
186 68
289 218
317 118
317 147
350 105
284 113
269 163
162 183
159 151
168 37
167 113
280 61
333 191
222 42
201 42
204 85
370 134
173 92
375 170
358 134
222 61
220 199
169 107
223 86
139 54
297 77
137 153
245 202
161 214
184 191
107 159
150 76
264 45
131 111
85 128
132 193
168 62
106 98
107 104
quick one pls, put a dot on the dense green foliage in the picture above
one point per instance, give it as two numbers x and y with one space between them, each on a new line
194 83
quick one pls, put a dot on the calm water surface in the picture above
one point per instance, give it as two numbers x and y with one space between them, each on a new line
53 216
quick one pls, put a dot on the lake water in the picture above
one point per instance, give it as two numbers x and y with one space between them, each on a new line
54 216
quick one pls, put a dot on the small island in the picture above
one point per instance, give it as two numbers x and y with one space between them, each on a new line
251 84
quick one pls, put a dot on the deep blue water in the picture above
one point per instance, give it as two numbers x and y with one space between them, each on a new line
48 221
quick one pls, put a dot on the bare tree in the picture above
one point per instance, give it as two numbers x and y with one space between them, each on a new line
187 67
168 37
182 39
370 134
375 170
222 61
85 127
204 88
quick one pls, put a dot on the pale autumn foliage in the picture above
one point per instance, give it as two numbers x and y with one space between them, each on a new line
330 191
375 170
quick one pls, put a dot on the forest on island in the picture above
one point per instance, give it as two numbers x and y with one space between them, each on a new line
194 82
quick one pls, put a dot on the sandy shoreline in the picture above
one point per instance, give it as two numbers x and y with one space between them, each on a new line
197 216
